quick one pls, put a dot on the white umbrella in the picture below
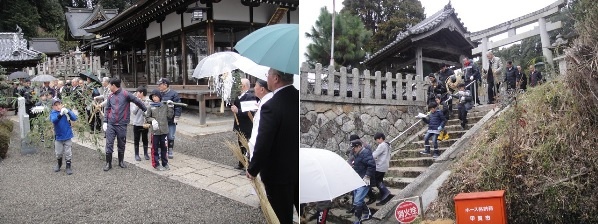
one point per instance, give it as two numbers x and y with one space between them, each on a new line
216 64
324 175
248 66
43 78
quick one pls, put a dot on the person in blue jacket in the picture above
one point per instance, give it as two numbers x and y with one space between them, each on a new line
60 118
436 121
364 164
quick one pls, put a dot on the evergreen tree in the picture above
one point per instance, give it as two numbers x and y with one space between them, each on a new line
349 41
22 13
385 18
51 15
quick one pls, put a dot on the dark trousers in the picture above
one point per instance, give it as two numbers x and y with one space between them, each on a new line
282 197
95 125
159 150
473 89
462 114
139 133
118 132
491 93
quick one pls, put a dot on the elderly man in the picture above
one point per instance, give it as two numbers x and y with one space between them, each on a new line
535 76
116 119
60 89
243 123
264 94
276 153
493 73
472 74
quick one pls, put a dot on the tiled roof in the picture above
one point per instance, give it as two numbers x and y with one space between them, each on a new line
13 47
78 17
427 24
45 45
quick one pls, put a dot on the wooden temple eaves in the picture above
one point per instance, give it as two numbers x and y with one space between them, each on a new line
438 38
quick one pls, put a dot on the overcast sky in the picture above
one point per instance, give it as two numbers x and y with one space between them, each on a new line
476 15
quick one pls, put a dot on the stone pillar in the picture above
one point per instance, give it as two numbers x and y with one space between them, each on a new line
23 118
485 61
545 39
26 147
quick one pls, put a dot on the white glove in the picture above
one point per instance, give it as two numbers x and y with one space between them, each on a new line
366 179
64 111
170 103
462 98
461 93
105 126
471 77
155 125
176 120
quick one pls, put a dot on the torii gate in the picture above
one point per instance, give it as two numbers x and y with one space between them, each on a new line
510 26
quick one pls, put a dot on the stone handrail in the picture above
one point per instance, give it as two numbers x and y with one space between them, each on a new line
371 88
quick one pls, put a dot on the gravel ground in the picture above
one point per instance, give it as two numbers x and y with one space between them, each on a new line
30 192
209 147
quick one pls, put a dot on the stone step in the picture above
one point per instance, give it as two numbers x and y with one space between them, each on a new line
452 134
409 172
454 128
470 120
397 182
441 144
423 161
472 113
414 153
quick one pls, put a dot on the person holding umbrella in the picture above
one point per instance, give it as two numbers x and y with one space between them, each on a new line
276 151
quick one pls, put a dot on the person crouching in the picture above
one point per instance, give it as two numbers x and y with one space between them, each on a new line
158 115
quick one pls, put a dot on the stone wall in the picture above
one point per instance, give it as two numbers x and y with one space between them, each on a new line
336 104
329 125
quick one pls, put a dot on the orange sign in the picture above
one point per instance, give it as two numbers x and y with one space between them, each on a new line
481 207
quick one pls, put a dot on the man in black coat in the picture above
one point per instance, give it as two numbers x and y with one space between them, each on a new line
276 153
243 120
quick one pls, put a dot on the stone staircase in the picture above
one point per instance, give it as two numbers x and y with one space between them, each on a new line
407 163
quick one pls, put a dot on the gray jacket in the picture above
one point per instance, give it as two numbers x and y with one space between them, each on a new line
161 113
118 107
382 157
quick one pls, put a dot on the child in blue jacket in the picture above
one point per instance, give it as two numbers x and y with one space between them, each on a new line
59 116
436 121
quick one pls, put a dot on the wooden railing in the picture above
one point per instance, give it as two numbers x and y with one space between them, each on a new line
321 84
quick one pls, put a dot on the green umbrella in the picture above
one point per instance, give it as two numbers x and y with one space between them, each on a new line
275 46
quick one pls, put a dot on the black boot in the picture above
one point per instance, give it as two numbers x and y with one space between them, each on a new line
108 165
137 158
58 165
145 153
170 147
371 196
121 156
68 168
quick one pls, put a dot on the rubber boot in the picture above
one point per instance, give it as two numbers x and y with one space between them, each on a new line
446 136
441 136
108 165
68 168
170 147
136 149
436 153
145 153
121 156
58 165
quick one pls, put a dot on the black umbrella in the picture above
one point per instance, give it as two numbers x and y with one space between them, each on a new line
18 75
91 76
